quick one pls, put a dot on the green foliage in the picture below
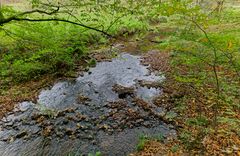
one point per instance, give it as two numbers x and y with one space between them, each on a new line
186 138
50 113
174 148
141 143
160 137
170 115
198 121
143 139
37 48
190 141
96 154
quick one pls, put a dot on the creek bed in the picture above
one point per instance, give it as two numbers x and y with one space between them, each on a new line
105 110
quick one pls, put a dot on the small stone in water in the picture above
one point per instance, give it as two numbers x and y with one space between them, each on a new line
70 131
21 134
70 110
9 123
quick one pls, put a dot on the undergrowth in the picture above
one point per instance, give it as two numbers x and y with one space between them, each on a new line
29 50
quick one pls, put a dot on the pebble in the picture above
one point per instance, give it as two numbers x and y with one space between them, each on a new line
24 106
4 119
59 134
35 130
47 131
9 124
21 134
70 131
11 139
60 114
69 110
65 121
94 142
90 137
147 124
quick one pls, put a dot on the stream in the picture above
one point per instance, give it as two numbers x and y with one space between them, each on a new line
105 110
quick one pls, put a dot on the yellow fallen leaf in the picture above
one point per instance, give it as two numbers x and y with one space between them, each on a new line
230 45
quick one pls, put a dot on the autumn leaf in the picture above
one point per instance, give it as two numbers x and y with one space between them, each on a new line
230 45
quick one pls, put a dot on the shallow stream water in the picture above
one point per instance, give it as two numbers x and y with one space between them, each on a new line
86 115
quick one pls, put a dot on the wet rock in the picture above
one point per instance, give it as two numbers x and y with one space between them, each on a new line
82 99
132 113
10 116
71 118
35 116
114 126
11 139
149 84
9 124
70 131
60 114
159 112
139 121
5 135
47 131
94 142
25 122
59 134
82 127
102 117
80 116
35 130
70 110
147 124
72 137
104 127
27 137
117 104
64 121
46 123
123 91
97 107
16 126
90 137
4 119
21 134
24 106
141 103
129 125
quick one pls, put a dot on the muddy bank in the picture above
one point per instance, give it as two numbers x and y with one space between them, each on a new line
105 110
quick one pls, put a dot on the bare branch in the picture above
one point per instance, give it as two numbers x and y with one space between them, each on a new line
38 11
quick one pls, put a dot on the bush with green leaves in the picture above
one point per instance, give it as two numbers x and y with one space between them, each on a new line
32 49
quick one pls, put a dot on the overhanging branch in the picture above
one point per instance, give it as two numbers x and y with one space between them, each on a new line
19 17
52 19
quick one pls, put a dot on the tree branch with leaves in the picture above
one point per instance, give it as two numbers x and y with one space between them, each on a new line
52 11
